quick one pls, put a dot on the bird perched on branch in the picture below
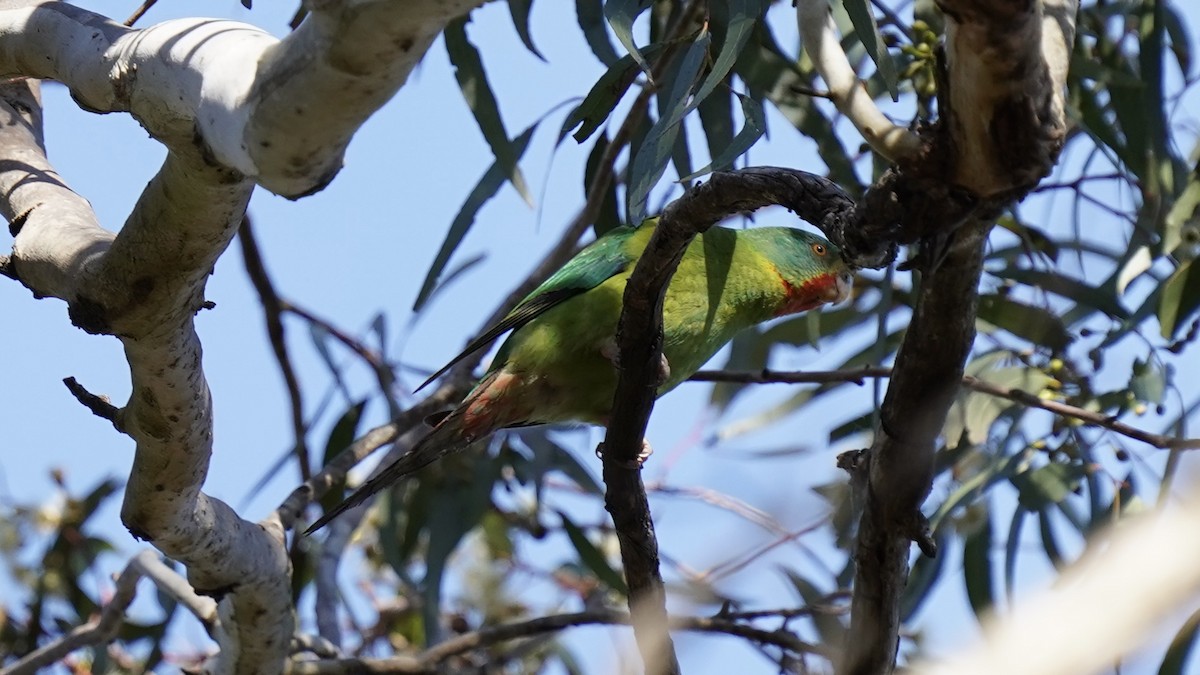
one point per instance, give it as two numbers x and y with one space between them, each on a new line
559 364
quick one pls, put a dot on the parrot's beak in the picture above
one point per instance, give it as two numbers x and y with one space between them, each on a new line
840 290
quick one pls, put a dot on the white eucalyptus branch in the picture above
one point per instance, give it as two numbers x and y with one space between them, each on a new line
1111 601
278 111
819 37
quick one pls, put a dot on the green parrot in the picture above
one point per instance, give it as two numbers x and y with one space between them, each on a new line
559 363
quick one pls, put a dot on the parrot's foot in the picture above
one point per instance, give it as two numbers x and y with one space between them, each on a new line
636 463
611 352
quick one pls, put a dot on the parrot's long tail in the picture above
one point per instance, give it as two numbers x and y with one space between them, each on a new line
443 439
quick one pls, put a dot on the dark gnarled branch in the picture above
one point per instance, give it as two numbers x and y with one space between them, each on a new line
639 337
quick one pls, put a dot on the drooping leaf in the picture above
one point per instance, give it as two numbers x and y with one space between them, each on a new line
1012 549
1039 326
591 556
651 159
343 433
608 216
867 32
484 190
519 9
621 14
975 412
830 628
755 126
604 95
1038 488
977 566
738 20
590 15
1082 292
1180 298
1181 224
472 80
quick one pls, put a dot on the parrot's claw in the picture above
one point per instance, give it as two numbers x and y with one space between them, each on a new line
636 463
610 351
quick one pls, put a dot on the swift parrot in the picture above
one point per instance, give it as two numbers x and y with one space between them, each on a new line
558 365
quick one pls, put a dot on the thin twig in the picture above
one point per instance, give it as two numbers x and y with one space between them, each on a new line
382 369
335 470
140 12
99 405
273 313
1024 398
709 624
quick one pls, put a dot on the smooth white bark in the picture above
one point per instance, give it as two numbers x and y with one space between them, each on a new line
819 37
1101 609
235 108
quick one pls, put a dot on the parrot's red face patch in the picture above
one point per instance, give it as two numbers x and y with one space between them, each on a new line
820 290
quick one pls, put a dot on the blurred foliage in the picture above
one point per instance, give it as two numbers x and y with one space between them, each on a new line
1090 298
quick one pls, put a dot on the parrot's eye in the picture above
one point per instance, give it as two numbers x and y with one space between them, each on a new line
819 249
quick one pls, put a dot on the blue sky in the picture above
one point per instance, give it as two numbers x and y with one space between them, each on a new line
361 247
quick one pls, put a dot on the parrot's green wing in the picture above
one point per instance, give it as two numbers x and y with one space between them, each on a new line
603 259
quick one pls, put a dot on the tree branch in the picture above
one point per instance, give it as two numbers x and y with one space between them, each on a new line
820 40
105 627
1027 399
273 313
639 337
1097 597
99 405
430 660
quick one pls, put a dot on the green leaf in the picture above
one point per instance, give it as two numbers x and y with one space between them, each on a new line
591 556
484 190
742 15
603 97
621 14
772 75
1096 297
977 566
1049 484
1180 298
716 119
829 627
974 412
1181 222
343 433
868 34
1181 647
608 216
455 506
1148 381
1050 540
755 126
1011 549
519 9
472 80
651 159
590 15
1039 326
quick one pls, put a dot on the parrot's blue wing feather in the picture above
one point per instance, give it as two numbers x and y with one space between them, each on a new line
603 259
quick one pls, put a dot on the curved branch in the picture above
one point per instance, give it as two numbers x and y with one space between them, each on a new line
817 32
639 337
280 111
